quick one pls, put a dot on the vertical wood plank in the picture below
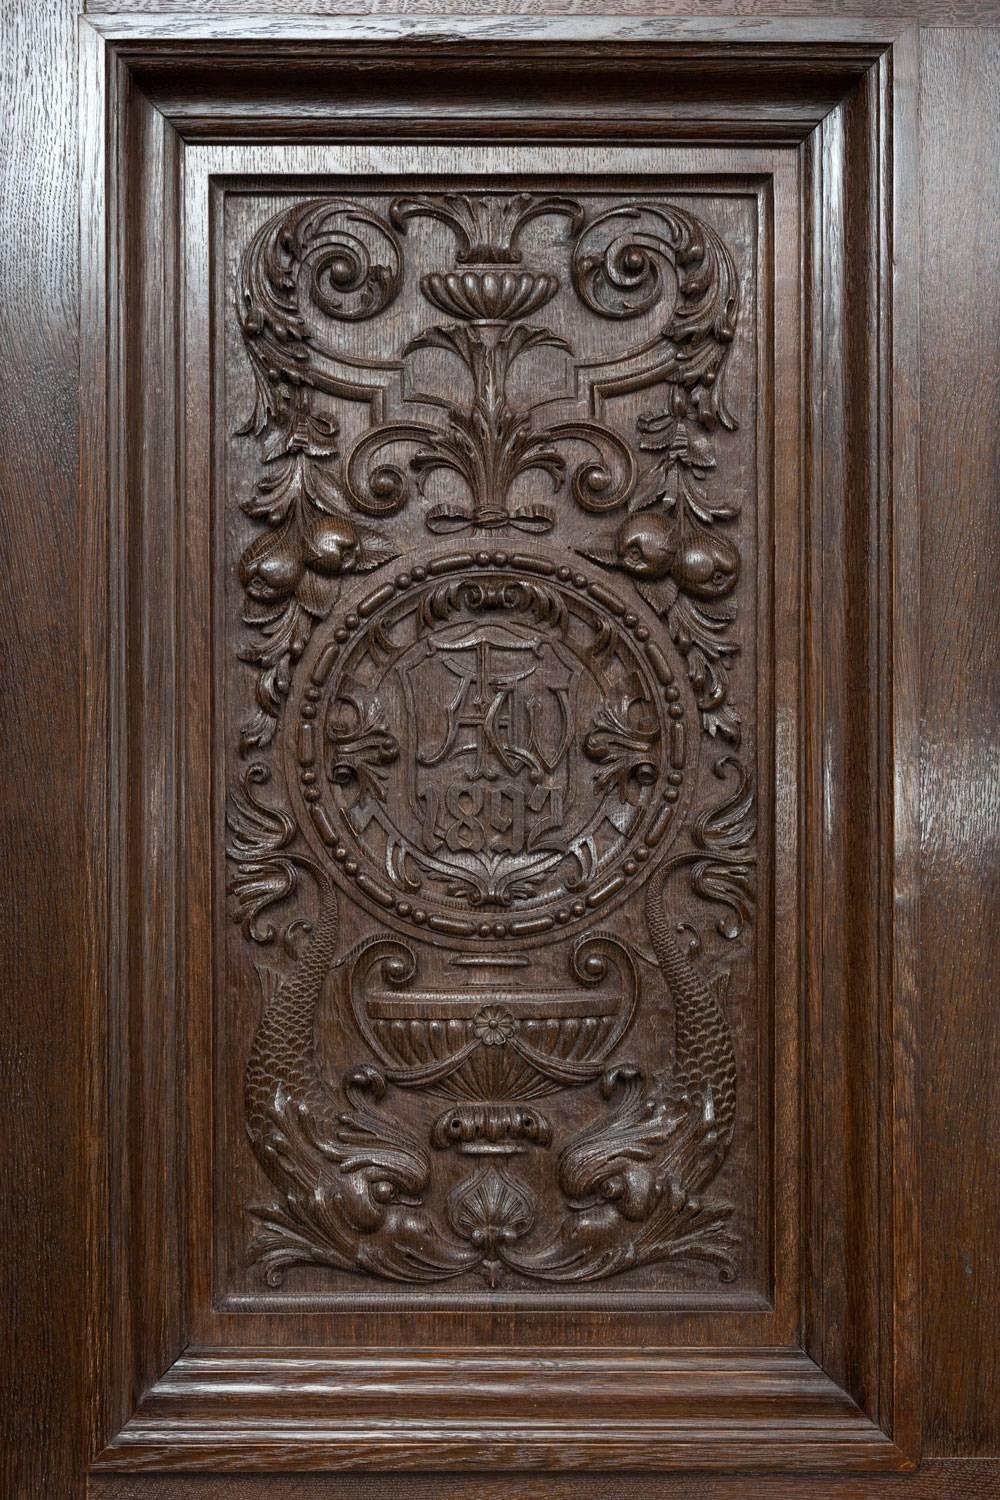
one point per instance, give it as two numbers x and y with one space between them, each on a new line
40 1036
960 947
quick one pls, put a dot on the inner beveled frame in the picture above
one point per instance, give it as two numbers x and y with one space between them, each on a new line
213 179
847 125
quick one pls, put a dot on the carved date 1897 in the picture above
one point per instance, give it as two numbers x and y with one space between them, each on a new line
488 601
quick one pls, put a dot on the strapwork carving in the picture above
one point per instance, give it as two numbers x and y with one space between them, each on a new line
633 1181
618 271
482 727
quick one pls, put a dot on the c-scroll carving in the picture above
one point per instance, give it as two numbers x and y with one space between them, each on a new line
617 272
351 1181
365 1180
633 1182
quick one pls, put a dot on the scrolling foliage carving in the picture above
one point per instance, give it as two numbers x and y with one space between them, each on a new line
488 601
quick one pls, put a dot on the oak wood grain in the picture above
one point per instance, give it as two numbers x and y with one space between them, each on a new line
41 1049
858 1062
41 1203
552 1409
960 937
402 77
927 12
937 1480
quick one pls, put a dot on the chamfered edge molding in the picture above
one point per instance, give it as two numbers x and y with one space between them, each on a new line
222 1409
305 1409
801 70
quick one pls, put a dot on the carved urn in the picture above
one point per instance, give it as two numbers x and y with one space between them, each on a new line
492 1048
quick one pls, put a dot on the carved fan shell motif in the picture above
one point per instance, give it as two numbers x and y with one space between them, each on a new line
491 828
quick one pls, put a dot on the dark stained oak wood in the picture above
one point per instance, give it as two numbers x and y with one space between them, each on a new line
42 1207
529 1409
842 216
936 1480
477 827
960 461
403 77
51 1371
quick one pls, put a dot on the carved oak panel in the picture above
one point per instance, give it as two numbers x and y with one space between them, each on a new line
498 497
488 710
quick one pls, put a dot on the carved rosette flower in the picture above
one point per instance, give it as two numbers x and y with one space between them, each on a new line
494 1026
474 443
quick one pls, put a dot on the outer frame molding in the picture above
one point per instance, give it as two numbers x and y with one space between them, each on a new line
843 96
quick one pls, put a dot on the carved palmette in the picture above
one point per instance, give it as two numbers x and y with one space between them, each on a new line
491 626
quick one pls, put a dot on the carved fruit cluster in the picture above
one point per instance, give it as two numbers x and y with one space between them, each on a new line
354 1180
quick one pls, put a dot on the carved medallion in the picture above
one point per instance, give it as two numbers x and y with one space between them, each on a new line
489 752
491 627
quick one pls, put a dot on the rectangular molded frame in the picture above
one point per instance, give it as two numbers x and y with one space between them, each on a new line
842 95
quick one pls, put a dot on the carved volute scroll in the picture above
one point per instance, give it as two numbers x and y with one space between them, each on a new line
491 815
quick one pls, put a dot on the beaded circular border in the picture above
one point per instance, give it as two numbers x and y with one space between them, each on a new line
448 925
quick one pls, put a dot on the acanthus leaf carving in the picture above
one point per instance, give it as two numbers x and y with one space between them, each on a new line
724 859
703 637
327 251
617 272
625 749
633 1182
490 444
292 573
361 746
266 870
434 734
486 226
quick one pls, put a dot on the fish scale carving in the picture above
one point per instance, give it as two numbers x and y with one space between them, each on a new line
493 784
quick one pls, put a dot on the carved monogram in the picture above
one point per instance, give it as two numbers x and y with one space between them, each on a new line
488 607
